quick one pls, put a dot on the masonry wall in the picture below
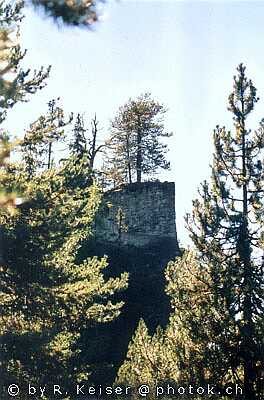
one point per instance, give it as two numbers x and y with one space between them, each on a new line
139 214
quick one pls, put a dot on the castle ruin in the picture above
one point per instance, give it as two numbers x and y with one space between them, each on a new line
139 215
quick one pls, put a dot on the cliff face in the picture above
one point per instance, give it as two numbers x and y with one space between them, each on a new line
139 215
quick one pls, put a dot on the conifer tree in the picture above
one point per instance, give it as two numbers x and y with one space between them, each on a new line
42 135
134 145
149 360
47 297
78 144
15 85
226 227
15 82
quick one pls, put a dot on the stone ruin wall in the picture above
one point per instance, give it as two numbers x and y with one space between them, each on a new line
139 214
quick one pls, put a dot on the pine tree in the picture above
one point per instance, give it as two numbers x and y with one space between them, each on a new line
15 83
134 143
41 137
47 297
149 360
78 144
200 328
226 227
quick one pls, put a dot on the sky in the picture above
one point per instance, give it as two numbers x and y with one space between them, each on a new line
184 52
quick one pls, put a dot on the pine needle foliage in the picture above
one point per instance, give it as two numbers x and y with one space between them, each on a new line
135 149
15 82
220 288
47 298
78 144
148 359
42 135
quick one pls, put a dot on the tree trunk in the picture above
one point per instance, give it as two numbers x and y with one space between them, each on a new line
245 256
128 160
1 247
139 156
93 145
49 155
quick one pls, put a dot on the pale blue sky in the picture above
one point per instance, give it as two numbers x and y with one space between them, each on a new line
184 52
